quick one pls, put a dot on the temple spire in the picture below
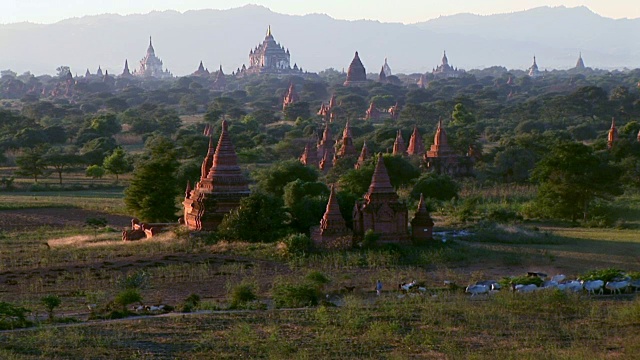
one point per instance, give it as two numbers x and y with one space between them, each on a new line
416 146
398 145
422 223
187 192
380 182
269 31
332 220
613 134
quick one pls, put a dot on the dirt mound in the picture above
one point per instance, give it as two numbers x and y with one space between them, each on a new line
55 217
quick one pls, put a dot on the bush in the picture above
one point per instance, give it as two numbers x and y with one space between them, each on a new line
51 302
602 274
318 278
12 316
192 301
127 297
295 295
370 239
242 294
522 280
136 280
297 244
503 215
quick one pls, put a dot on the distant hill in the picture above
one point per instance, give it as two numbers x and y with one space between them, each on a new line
317 42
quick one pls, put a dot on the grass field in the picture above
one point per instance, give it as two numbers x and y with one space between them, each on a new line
57 255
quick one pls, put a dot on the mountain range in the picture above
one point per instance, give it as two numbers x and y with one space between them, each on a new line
556 35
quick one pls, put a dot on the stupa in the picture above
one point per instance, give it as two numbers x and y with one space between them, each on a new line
332 232
416 147
220 190
356 75
421 224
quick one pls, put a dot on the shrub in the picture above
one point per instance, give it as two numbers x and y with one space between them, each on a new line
242 294
191 302
12 316
602 274
370 239
318 278
503 215
522 280
297 244
295 295
126 297
136 280
51 302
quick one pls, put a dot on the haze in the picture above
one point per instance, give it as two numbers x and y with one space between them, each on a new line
409 11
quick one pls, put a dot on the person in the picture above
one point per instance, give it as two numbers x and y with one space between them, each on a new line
378 287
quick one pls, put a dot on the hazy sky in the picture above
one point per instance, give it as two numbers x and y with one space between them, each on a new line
406 11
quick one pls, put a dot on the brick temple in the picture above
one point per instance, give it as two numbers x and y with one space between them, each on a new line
220 189
381 210
356 75
332 233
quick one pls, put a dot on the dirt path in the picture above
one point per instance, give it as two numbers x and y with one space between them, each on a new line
24 219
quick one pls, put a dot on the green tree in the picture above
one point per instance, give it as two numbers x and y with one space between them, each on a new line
95 172
126 297
297 110
106 125
275 178
32 162
62 159
151 195
439 187
571 177
51 302
259 218
118 163
306 202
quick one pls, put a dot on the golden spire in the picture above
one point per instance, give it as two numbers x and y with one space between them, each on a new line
269 31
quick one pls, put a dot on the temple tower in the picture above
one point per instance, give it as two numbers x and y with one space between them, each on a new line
441 158
201 71
580 63
534 72
125 72
421 224
310 156
364 156
356 75
612 137
372 112
332 232
220 83
383 76
398 145
220 191
346 147
290 97
416 147
381 210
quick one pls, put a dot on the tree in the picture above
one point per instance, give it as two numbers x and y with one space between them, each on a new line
62 71
259 218
306 202
106 125
432 185
126 297
153 190
118 163
51 302
32 163
62 159
297 110
274 179
95 172
571 176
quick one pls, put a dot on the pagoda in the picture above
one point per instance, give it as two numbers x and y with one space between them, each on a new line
356 75
290 97
125 72
386 68
269 57
364 156
220 83
580 63
332 232
372 112
151 65
612 137
416 147
220 190
398 145
99 71
325 145
310 156
394 111
346 147
421 224
534 72
441 158
423 81
444 70
381 210
382 78
201 71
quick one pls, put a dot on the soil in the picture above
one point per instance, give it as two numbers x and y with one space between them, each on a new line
24 219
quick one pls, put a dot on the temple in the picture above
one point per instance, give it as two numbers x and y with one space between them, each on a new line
201 71
151 65
399 149
533 70
332 233
125 72
220 189
612 137
394 111
386 68
423 82
441 158
421 224
326 149
444 70
310 156
364 156
290 97
356 75
580 63
270 58
416 146
372 112
381 211
382 78
346 148
220 83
